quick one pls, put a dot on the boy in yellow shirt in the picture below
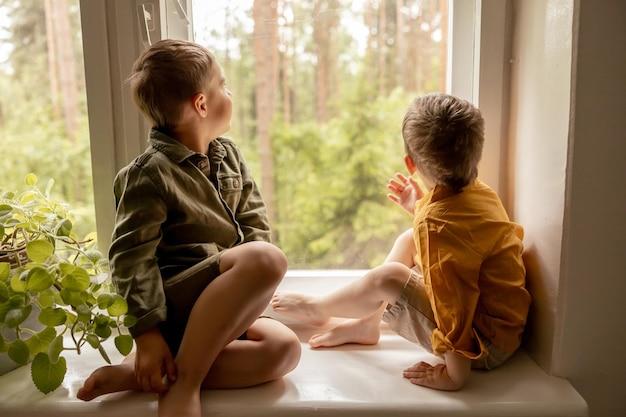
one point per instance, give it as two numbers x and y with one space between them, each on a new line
455 282
191 249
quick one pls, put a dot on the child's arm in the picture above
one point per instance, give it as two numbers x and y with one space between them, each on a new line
153 360
405 192
450 376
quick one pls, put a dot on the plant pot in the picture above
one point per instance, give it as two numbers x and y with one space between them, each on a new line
14 257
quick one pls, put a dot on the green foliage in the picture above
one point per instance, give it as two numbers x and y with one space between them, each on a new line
34 133
47 274
330 180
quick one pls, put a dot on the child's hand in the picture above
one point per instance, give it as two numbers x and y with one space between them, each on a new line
430 376
405 192
153 360
448 377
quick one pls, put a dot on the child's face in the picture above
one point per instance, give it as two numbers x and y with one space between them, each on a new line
219 102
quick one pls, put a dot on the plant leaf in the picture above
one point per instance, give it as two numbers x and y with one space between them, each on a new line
104 354
70 297
52 316
93 255
39 342
77 280
16 316
47 376
38 279
30 179
103 331
124 343
83 313
99 278
64 228
105 300
5 270
5 209
46 298
130 320
4 292
39 250
18 352
55 348
93 340
119 306
17 284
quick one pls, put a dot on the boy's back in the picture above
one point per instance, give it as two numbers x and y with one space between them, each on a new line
471 255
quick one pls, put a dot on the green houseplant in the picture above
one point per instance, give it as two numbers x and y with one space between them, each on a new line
55 290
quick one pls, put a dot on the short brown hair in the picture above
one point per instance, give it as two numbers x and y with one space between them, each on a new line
165 75
444 136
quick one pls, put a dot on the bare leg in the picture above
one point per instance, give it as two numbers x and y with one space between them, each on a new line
226 308
363 330
365 298
271 351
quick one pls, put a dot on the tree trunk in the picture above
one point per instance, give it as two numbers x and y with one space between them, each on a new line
321 47
52 64
400 45
285 64
443 48
382 48
66 63
265 44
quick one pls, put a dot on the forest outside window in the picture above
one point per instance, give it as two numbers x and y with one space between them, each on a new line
43 109
320 88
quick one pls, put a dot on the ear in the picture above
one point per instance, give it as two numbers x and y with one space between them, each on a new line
410 165
199 103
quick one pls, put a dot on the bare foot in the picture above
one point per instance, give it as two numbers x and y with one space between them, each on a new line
299 306
180 401
108 379
363 332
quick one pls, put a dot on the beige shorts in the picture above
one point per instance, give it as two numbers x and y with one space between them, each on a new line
412 318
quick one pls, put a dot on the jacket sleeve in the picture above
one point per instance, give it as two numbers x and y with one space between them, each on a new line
137 233
251 213
451 271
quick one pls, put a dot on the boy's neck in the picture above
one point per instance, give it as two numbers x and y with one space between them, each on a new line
193 139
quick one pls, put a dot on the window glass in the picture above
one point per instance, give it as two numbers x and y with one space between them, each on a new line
320 88
43 111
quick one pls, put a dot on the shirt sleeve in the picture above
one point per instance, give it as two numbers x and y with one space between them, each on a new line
137 233
451 271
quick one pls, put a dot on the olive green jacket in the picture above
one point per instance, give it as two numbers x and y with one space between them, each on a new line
174 208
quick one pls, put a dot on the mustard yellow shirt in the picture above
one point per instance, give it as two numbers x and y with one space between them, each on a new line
471 256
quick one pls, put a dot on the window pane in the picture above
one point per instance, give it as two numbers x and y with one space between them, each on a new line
320 89
43 112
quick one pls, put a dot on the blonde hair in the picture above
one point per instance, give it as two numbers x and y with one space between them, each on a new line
165 76
444 136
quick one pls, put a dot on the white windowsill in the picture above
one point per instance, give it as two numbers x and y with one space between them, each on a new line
349 380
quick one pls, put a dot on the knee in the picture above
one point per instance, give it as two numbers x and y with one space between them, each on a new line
390 277
283 354
405 237
267 260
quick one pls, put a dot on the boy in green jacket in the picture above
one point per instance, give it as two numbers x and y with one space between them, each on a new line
190 249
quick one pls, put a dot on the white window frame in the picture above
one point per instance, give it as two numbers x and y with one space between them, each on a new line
114 35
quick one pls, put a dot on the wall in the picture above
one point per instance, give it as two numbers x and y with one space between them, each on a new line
538 134
590 351
567 126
